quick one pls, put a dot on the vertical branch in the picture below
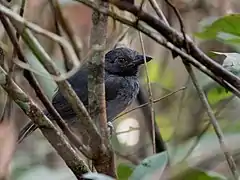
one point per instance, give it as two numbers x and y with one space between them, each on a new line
150 95
96 89
96 86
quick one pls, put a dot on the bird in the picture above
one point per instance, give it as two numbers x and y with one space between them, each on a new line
121 86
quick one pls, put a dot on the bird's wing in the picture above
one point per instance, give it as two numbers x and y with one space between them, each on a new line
79 84
112 86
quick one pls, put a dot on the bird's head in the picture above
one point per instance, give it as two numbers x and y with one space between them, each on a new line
124 61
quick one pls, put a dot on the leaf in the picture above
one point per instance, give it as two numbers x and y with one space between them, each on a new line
124 171
45 81
97 176
231 62
150 165
227 24
217 94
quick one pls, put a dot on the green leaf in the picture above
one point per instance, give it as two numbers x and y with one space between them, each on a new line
227 24
124 171
148 166
218 94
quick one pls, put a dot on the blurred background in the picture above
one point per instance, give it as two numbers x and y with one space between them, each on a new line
180 117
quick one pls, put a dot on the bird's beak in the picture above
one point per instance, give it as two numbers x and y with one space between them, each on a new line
140 59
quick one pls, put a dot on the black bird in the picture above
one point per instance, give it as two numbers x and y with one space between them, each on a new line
121 84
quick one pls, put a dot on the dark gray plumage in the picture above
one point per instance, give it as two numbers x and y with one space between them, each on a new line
121 83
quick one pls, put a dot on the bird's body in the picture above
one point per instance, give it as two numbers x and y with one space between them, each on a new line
121 84
120 93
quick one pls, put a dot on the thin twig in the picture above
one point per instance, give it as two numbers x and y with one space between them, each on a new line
66 27
219 74
12 66
67 63
63 42
40 94
142 98
173 36
127 131
203 98
207 126
154 101
215 124
158 11
150 95
86 126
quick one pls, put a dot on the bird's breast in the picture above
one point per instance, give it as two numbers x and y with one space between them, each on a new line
131 89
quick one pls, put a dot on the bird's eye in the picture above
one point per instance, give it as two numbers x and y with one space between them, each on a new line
121 60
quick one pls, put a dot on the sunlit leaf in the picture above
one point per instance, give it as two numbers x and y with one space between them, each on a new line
124 171
165 125
218 94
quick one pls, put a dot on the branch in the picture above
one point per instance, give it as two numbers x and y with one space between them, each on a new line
87 128
177 39
38 90
150 95
66 27
67 63
203 98
53 134
21 24
221 74
96 89
154 101
214 123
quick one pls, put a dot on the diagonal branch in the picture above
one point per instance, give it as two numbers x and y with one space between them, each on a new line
88 129
33 82
21 23
52 133
177 39
171 35
203 98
